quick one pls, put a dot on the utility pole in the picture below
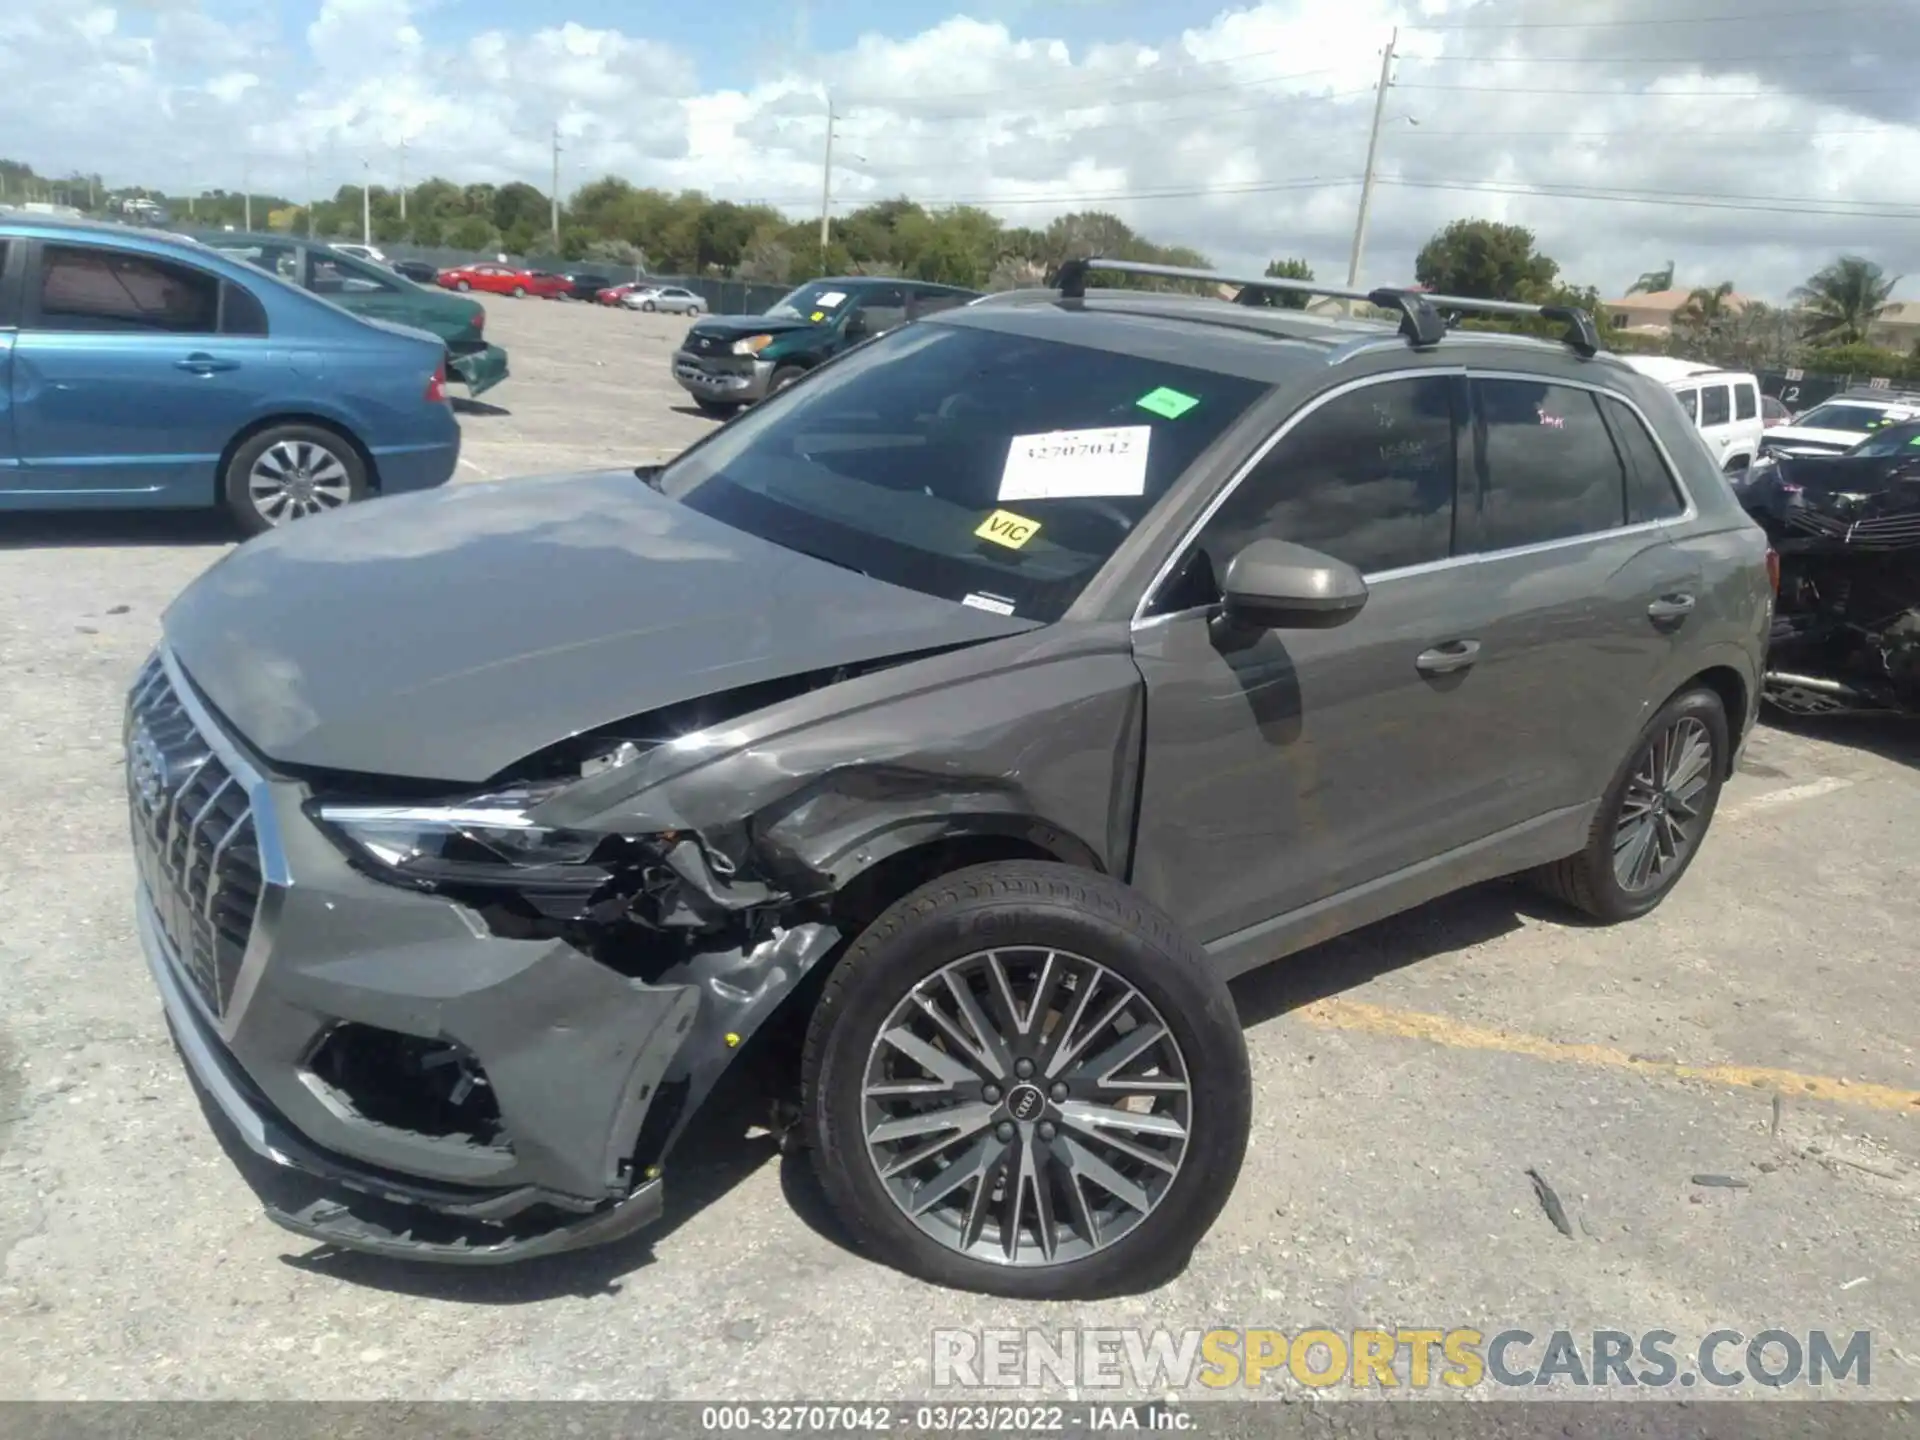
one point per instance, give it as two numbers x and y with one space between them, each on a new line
403 182
246 192
826 187
307 156
1373 150
366 202
555 200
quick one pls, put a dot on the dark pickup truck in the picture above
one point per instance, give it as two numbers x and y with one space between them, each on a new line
728 361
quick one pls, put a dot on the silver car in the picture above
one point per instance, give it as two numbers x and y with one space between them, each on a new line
668 299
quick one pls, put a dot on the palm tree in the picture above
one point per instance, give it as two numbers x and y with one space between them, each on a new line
1844 299
1654 281
1704 306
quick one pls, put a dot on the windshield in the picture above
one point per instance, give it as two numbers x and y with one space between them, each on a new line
995 470
815 302
1836 416
1890 441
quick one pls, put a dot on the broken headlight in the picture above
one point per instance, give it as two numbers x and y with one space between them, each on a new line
481 840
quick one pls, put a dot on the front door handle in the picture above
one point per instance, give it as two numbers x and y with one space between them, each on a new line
1671 607
203 364
1447 658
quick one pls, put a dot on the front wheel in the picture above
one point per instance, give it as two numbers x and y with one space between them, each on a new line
1023 1080
648 305
1654 815
784 376
288 472
463 285
519 292
718 409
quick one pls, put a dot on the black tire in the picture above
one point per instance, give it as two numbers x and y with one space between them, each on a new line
784 376
235 485
1003 907
648 305
719 409
1587 880
463 285
519 292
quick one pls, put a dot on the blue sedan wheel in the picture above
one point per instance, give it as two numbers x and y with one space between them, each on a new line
290 472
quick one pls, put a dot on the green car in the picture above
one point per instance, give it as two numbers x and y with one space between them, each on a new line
728 361
378 293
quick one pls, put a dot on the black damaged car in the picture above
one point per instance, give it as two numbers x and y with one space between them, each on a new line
1846 528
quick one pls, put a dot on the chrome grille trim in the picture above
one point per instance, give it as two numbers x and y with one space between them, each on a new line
204 843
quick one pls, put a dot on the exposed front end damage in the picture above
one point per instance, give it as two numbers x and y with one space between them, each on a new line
469 1024
1846 631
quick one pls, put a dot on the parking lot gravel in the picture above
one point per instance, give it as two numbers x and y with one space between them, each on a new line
1760 1027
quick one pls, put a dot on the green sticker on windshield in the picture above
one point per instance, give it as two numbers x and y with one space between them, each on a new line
1170 403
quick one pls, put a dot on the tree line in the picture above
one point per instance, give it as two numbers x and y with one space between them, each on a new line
612 222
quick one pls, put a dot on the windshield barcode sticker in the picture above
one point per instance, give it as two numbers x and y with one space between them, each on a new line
989 602
1065 464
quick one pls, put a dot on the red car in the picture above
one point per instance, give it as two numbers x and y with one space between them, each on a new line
613 294
504 280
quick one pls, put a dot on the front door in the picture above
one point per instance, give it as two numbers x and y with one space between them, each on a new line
1284 767
123 382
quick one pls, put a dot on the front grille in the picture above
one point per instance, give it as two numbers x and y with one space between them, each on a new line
194 838
1875 532
703 344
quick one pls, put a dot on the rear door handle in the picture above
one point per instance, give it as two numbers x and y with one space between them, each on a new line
1671 607
202 364
1447 658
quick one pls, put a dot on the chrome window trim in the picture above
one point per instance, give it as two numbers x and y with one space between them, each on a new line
1689 509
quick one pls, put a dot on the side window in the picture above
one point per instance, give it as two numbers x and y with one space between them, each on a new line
1367 478
1651 494
1689 402
333 274
1548 469
1714 409
1746 402
240 311
83 288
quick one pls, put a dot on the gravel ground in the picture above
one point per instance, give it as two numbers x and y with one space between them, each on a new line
1408 1078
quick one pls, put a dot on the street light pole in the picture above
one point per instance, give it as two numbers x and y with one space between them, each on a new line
403 182
366 203
554 200
826 187
1373 150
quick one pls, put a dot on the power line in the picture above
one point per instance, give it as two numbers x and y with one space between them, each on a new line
1784 206
1756 131
1137 121
1089 81
1310 182
1657 94
1662 59
899 115
1738 17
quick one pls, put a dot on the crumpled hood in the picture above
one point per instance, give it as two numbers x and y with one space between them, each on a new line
735 327
1814 441
446 635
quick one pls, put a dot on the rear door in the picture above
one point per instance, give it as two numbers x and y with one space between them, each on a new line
1283 767
1580 597
1748 426
131 372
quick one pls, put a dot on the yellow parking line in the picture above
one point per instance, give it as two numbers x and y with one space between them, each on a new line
1357 1015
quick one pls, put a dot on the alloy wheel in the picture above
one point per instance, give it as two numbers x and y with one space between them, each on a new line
1660 814
1026 1106
295 478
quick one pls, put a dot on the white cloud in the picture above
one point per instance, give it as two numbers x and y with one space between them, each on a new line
1252 107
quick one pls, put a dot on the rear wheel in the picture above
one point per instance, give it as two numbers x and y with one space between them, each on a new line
1654 815
463 285
288 472
519 292
1022 1079
648 305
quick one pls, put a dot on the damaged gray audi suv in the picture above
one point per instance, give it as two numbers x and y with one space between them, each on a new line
967 714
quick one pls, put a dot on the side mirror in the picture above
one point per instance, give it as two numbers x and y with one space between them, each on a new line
1277 585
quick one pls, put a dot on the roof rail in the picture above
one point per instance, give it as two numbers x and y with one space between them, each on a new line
1421 317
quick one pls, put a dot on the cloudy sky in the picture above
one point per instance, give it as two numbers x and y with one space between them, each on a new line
1625 132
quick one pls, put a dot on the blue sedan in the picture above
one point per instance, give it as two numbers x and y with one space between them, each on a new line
144 370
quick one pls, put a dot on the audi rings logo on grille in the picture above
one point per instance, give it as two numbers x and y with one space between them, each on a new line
146 770
1025 1102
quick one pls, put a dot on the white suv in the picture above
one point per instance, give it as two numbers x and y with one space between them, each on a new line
1723 404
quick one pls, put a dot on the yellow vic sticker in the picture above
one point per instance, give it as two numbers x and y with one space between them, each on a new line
1003 527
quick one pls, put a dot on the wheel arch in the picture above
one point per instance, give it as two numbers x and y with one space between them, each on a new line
296 417
1727 683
